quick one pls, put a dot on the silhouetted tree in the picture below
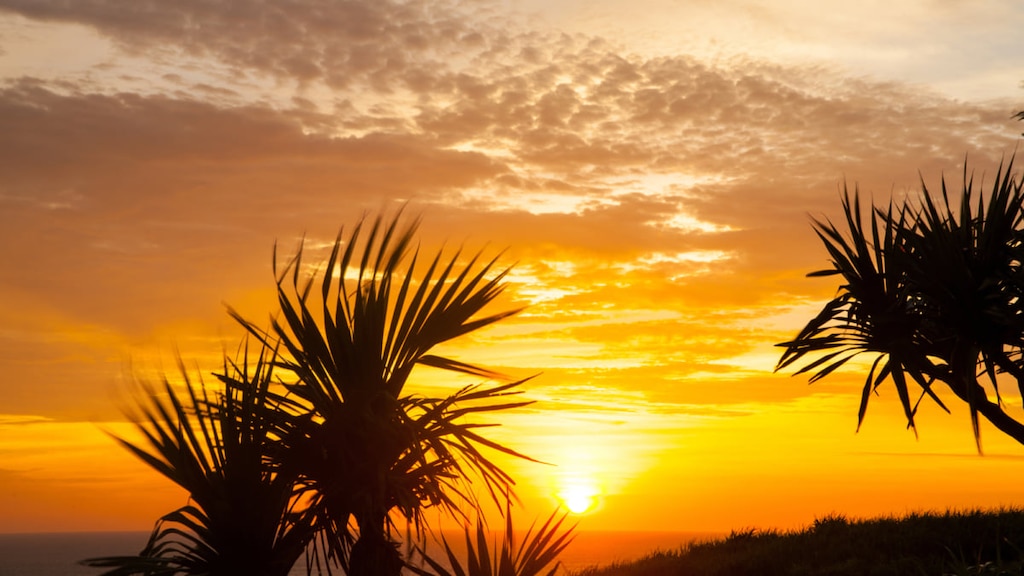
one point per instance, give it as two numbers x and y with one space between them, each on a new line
933 293
365 448
244 516
319 448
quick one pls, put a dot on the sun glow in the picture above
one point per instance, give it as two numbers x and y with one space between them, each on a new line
579 495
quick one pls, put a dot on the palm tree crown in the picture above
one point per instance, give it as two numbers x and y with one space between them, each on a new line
365 447
933 293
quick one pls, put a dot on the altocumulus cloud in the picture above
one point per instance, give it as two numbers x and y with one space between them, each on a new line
679 186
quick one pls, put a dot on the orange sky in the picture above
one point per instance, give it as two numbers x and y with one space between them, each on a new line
650 167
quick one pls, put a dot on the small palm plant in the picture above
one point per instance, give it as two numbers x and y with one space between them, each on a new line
243 516
366 449
531 557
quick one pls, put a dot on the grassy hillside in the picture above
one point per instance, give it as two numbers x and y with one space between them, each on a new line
953 543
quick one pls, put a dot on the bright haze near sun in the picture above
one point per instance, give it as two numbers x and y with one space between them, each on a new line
649 168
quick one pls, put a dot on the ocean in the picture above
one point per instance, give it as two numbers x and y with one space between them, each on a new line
58 554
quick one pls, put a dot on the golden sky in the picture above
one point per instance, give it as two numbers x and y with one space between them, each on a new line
651 167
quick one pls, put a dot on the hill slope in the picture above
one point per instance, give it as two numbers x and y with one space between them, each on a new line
974 542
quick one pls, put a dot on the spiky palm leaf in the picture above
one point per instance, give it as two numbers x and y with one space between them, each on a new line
243 516
368 449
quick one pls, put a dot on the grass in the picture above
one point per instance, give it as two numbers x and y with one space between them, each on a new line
953 543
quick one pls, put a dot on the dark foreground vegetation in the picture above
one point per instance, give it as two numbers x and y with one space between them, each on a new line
307 445
954 543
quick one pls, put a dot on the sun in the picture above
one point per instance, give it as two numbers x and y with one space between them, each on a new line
578 503
578 498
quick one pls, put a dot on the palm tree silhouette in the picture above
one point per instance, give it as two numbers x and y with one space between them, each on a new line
934 293
244 515
365 450
313 446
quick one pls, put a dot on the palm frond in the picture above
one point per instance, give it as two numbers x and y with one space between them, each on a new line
873 312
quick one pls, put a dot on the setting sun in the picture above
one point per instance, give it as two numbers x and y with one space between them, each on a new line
578 494
577 499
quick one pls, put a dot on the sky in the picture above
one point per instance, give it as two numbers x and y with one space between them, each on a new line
650 169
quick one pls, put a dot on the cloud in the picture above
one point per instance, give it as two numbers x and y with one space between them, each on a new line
679 187
376 45
121 192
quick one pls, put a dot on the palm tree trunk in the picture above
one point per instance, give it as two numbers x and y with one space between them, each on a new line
374 554
974 394
962 379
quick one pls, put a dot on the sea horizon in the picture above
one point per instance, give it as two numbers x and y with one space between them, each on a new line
59 553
